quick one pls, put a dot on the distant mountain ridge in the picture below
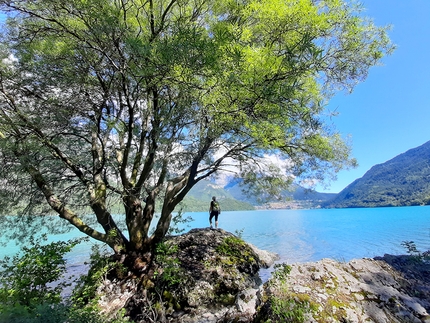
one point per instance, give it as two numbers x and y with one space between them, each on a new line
401 181
296 193
232 198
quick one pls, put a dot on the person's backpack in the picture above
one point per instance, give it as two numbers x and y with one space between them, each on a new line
215 206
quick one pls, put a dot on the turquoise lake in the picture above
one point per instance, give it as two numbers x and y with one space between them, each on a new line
341 234
307 235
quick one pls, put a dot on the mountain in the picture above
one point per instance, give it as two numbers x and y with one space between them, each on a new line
232 198
198 199
295 195
401 181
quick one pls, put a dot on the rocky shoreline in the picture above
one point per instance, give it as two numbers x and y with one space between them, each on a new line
215 280
387 289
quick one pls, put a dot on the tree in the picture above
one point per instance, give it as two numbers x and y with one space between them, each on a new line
130 102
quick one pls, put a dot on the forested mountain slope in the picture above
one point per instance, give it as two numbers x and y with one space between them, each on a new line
401 181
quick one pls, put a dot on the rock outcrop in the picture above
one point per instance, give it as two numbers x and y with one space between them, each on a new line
391 289
203 276
220 276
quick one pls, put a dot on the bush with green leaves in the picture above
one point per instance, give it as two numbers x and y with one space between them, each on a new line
170 272
237 251
231 246
33 277
100 265
31 282
84 301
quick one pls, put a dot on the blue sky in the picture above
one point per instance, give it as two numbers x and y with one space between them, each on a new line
389 113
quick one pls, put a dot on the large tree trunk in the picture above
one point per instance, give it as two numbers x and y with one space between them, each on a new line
139 216
136 217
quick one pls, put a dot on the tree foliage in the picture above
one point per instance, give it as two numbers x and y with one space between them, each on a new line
134 101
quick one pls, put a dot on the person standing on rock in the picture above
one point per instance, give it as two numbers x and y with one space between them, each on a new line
214 211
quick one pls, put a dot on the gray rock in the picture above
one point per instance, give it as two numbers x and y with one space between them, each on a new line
219 277
247 301
267 258
363 290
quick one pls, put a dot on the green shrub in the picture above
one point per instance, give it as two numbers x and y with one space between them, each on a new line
415 254
281 273
32 278
31 285
231 246
42 313
288 310
281 304
170 272
86 287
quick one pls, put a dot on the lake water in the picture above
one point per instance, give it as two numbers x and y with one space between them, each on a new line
341 234
308 235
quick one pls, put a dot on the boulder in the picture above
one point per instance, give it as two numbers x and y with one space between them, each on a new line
203 276
220 276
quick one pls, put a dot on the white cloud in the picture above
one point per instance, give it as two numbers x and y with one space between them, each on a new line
231 167
10 60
